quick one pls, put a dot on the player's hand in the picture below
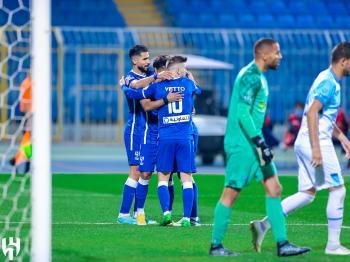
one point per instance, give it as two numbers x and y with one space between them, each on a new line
316 156
190 75
165 75
266 152
346 147
173 97
122 81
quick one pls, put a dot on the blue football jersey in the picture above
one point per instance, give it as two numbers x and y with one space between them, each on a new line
133 124
174 119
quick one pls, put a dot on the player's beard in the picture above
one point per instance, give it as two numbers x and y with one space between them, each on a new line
143 69
346 72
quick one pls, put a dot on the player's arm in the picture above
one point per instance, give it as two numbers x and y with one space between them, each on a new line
323 93
338 134
141 83
312 124
249 87
148 104
132 93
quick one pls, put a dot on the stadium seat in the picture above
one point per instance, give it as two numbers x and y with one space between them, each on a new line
342 21
305 21
247 21
324 21
266 21
259 8
286 21
317 8
298 8
278 8
337 8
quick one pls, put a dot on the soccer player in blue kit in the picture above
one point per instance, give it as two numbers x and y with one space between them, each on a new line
175 145
132 134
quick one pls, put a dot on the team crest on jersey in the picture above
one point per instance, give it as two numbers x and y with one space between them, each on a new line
128 80
262 106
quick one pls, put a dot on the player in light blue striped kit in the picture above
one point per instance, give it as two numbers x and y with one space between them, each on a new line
319 167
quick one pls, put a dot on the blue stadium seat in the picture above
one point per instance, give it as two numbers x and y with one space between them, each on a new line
278 8
324 21
227 21
259 8
305 21
266 21
247 21
342 21
337 8
298 8
317 8
286 21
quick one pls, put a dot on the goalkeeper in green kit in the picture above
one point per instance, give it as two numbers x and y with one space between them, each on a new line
248 156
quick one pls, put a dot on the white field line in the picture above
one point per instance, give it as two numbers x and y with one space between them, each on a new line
206 225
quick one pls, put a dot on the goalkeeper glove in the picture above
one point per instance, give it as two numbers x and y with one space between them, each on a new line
266 152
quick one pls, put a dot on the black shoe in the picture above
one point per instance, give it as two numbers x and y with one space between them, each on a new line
286 249
12 161
220 251
26 167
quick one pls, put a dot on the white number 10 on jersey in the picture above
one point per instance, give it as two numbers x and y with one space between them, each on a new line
173 109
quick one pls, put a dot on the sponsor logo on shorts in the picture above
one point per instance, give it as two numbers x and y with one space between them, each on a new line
176 119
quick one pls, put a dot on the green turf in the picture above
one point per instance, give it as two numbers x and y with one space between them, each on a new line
93 199
85 208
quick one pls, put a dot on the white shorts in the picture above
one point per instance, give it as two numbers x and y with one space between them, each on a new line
326 176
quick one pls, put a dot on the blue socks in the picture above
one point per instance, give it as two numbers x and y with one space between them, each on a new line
141 194
128 196
194 212
187 198
164 196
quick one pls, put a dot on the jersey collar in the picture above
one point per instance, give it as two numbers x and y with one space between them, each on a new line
334 75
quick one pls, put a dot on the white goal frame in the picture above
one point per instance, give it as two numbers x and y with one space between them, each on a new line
41 139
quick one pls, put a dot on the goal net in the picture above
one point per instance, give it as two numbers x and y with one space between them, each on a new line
17 74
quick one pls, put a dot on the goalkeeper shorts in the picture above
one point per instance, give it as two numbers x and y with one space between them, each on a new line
243 165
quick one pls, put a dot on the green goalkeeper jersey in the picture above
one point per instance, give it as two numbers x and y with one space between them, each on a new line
247 107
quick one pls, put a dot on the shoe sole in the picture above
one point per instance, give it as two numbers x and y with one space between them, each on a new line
335 254
256 247
295 254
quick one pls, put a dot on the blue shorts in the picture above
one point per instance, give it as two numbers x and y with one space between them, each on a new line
175 154
195 143
148 157
132 147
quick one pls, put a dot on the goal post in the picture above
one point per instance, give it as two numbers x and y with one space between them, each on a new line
41 174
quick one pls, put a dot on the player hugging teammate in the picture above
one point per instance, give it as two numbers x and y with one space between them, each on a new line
160 133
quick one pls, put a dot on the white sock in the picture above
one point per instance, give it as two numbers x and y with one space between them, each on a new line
123 215
290 204
140 211
298 200
335 216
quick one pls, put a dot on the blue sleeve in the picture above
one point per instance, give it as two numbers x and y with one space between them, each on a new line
324 91
197 90
129 79
132 93
149 91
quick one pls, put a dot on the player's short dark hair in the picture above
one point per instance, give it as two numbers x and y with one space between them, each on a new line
262 43
177 59
137 50
160 61
341 50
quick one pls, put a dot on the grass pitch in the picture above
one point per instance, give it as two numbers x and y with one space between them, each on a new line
85 208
